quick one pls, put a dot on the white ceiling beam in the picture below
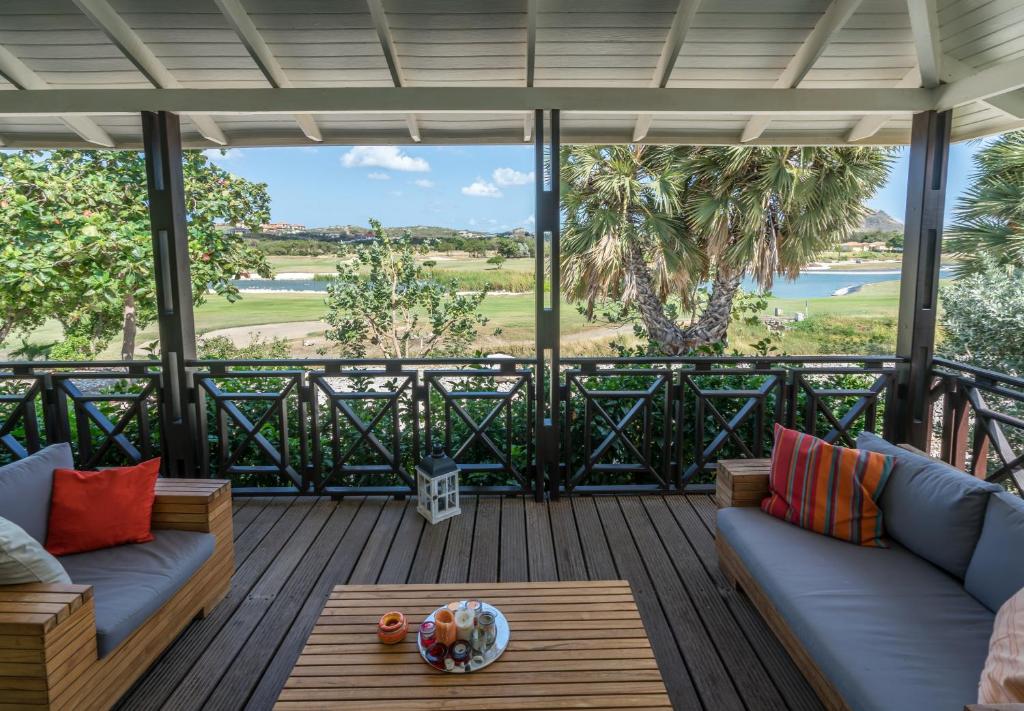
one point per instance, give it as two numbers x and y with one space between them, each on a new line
981 85
796 102
20 75
834 18
260 52
1011 103
531 61
924 23
387 44
681 22
868 126
131 45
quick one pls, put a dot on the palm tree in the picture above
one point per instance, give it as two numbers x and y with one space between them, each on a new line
646 224
988 226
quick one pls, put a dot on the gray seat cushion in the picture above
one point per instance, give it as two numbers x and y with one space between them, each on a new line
931 508
26 487
888 629
996 571
133 581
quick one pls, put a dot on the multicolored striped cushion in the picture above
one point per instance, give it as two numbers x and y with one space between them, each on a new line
826 488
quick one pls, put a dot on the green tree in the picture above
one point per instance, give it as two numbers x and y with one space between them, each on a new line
650 225
497 260
77 245
982 317
384 299
988 222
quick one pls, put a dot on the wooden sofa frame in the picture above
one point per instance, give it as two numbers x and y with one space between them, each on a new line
48 653
744 482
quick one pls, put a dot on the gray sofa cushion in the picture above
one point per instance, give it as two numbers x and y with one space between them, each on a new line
26 486
888 629
133 581
931 508
996 571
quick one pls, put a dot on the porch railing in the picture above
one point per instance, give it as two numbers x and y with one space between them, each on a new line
355 426
979 421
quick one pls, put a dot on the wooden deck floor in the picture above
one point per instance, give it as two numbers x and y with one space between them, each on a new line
712 648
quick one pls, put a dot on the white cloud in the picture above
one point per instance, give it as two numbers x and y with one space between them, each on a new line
222 154
510 176
378 176
424 183
529 220
389 157
481 188
472 221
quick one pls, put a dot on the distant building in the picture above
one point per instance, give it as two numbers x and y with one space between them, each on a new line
282 228
232 229
864 247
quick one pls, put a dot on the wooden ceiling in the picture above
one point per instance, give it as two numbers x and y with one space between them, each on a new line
270 72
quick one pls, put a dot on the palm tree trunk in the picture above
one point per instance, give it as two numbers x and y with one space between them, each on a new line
713 325
130 329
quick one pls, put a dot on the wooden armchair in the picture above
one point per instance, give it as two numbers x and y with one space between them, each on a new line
48 653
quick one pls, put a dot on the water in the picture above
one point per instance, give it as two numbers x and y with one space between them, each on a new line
809 285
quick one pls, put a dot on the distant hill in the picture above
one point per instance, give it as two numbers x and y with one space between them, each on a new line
880 221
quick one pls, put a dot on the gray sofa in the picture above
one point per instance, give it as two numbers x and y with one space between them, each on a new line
129 582
905 627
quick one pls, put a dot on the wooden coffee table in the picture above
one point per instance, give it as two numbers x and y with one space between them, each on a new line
573 645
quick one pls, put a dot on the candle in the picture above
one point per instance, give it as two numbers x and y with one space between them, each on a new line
464 624
444 627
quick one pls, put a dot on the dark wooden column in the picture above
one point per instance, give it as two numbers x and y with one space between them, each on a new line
162 138
548 379
919 288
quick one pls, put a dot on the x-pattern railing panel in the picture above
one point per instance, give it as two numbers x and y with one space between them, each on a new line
19 423
753 408
358 432
473 402
254 424
636 398
822 402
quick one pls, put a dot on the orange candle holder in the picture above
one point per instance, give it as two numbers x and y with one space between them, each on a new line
392 627
444 622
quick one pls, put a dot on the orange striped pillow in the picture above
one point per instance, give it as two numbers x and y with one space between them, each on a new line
1002 679
826 488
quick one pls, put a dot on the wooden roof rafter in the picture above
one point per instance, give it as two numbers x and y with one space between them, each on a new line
681 21
387 44
260 52
23 78
832 21
131 45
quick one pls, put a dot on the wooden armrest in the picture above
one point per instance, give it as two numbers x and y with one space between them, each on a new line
46 632
742 482
192 504
994 707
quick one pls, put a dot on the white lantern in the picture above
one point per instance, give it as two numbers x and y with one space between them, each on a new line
437 486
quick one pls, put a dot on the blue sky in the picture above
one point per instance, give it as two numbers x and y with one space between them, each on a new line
487 188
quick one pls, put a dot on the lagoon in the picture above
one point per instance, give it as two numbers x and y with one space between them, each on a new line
809 285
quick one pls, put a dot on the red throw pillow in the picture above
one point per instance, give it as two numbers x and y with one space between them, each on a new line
92 510
826 488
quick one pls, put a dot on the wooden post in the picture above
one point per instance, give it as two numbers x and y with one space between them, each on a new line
922 251
548 393
162 141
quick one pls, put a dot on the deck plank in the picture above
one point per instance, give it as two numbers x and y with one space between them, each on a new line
338 570
630 565
711 646
483 564
513 566
203 678
263 540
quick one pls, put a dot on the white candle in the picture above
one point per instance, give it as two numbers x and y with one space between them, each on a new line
464 624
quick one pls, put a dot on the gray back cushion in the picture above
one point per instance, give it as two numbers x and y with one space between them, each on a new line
996 571
935 510
26 486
